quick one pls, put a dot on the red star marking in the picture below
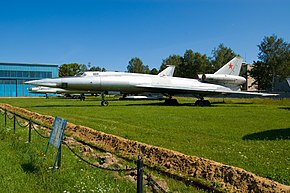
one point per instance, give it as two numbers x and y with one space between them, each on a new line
230 66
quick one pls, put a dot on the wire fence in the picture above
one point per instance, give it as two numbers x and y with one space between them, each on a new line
153 184
38 133
96 166
31 125
21 124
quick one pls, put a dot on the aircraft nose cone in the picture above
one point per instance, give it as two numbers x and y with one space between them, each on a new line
29 82
45 82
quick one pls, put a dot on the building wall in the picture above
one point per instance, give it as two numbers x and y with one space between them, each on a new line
13 76
250 80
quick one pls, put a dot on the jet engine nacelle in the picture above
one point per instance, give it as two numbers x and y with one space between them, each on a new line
222 79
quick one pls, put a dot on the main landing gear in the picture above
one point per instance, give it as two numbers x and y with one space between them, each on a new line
171 101
202 102
104 102
82 97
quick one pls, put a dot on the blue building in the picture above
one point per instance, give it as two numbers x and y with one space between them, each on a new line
13 76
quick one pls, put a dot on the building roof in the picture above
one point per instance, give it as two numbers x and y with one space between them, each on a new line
27 64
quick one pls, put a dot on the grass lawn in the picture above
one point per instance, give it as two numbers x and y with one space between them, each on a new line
24 168
253 134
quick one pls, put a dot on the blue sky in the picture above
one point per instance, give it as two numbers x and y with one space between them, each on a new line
108 33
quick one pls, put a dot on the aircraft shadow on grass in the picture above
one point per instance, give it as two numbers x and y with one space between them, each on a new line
285 108
160 104
274 134
213 104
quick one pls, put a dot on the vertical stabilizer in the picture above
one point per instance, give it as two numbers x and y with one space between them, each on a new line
233 67
167 71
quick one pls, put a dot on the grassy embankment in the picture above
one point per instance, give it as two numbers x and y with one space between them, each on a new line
253 134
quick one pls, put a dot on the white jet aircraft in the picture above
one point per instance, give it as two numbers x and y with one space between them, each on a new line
81 94
127 83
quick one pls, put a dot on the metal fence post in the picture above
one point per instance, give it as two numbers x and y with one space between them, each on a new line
29 131
59 157
140 174
14 116
5 117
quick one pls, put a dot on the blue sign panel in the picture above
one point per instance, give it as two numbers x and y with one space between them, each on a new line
55 138
56 134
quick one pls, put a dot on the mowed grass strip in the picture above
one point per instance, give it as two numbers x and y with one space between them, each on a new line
253 134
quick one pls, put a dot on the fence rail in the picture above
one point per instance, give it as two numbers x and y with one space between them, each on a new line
30 124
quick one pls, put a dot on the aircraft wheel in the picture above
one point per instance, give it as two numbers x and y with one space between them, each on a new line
82 98
206 103
202 103
199 103
104 103
171 102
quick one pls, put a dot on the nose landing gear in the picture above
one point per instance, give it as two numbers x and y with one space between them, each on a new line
104 102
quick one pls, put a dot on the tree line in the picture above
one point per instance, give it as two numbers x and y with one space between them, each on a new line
273 63
188 65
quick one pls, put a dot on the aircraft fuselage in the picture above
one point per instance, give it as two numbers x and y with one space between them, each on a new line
128 83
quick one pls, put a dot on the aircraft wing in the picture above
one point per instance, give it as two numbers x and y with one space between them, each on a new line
198 90
251 93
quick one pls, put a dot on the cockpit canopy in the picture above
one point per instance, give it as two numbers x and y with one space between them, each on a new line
88 74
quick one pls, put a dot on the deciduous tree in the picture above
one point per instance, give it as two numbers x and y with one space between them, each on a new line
174 60
154 71
274 62
261 74
189 65
97 68
136 66
71 69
